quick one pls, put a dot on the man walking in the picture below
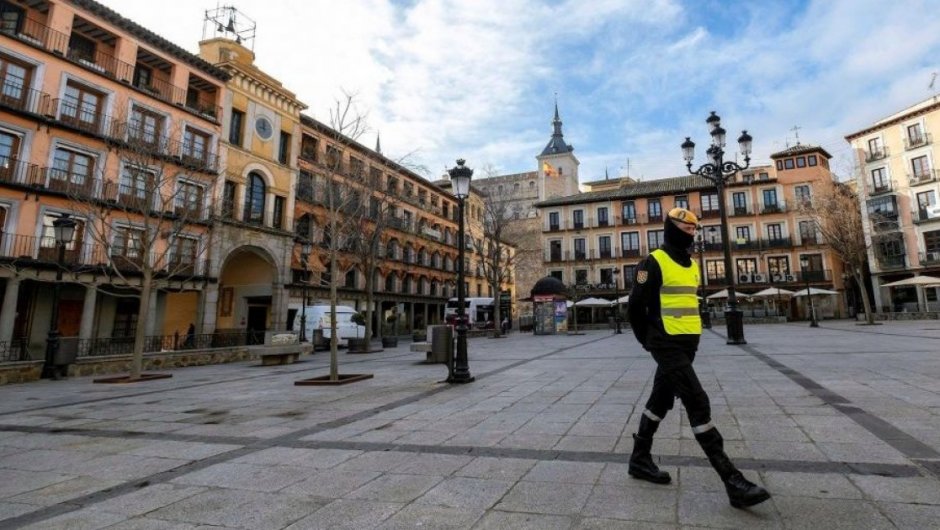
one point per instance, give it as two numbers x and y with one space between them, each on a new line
664 315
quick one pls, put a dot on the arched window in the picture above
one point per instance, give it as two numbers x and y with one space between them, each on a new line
390 283
434 287
531 184
254 199
515 187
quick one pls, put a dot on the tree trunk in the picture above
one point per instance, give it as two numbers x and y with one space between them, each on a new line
334 340
497 317
143 316
869 316
370 287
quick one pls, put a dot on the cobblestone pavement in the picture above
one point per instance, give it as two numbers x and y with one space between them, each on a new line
840 423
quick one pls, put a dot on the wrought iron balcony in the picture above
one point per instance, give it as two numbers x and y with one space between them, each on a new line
881 186
775 207
892 262
919 140
922 177
875 155
929 258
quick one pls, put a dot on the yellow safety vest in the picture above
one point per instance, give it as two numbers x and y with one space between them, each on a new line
677 297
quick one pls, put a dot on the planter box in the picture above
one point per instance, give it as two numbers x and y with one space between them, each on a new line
389 342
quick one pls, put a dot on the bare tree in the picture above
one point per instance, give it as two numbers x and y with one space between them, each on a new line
149 227
345 202
835 210
496 256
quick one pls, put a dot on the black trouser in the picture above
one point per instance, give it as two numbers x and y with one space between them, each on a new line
675 378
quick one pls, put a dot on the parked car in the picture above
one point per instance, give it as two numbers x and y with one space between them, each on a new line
318 325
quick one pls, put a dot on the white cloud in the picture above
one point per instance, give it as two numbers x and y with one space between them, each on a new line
453 78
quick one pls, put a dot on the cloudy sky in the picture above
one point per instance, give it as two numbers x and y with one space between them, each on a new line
476 78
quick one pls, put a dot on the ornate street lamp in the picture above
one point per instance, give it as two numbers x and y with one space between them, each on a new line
63 229
460 176
305 251
615 274
804 264
718 171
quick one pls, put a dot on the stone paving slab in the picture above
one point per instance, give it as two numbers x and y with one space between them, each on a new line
841 423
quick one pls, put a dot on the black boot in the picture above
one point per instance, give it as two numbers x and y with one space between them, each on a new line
641 462
741 492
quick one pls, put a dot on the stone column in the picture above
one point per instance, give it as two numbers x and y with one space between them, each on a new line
89 309
426 321
876 293
921 298
208 308
278 307
411 316
8 311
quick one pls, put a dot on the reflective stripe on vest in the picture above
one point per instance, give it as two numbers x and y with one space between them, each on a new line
677 297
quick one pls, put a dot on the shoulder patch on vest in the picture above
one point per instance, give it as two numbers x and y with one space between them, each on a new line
641 276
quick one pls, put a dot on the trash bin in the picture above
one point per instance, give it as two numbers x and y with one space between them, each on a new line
442 344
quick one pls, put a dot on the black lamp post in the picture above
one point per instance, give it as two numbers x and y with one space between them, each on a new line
702 305
460 176
718 171
804 264
64 229
616 275
305 250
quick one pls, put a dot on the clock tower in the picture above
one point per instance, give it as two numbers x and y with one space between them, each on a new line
253 242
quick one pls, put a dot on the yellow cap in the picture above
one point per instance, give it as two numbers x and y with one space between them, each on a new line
683 216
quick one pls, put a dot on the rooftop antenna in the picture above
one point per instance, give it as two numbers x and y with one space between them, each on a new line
606 173
227 22
796 132
933 80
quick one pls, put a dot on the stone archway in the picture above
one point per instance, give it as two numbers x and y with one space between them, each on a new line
251 297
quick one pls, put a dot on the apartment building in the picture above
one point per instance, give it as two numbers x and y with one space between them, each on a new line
417 270
586 237
86 95
897 186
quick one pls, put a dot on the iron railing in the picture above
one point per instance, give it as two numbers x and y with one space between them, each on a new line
159 343
26 100
878 154
14 350
919 140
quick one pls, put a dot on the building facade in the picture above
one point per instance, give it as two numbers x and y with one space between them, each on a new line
253 238
556 176
586 237
87 95
897 185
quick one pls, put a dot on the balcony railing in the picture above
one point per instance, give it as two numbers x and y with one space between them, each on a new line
713 245
554 228
810 240
13 171
922 177
748 244
739 211
655 217
920 140
26 100
924 216
577 225
37 34
632 253
780 242
630 220
553 256
772 208
886 223
602 222
892 262
875 155
881 186
929 258
713 213
103 63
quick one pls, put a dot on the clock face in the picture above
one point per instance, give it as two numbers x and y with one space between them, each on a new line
264 128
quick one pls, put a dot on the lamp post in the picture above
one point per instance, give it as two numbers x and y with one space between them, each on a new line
804 264
305 251
460 176
616 274
64 229
717 171
702 306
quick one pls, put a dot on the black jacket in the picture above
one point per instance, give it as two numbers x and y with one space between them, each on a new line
644 310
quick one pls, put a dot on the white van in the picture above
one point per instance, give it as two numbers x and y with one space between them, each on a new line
318 320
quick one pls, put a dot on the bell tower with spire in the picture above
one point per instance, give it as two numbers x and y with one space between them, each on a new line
558 167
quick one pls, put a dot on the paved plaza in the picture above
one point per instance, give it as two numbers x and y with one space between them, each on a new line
840 423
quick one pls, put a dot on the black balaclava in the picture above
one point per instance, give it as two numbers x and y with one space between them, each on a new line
675 237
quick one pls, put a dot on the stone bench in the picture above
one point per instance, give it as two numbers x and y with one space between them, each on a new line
421 346
281 357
